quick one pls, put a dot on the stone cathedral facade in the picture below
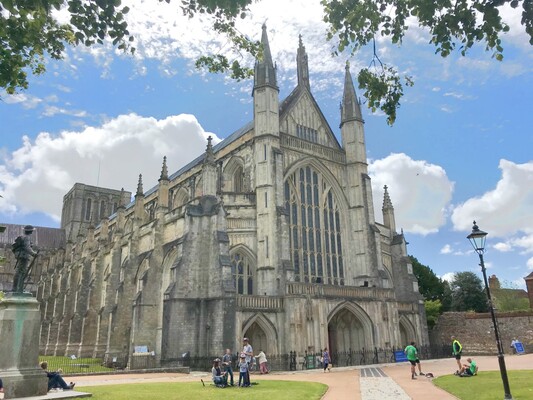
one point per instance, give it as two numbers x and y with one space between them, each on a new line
270 234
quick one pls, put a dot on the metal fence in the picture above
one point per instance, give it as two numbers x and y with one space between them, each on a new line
291 361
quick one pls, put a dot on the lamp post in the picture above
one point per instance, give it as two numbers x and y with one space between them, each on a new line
477 239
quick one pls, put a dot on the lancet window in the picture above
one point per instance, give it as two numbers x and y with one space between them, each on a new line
309 134
315 228
242 273
88 205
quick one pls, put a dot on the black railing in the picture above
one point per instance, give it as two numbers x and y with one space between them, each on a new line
369 356
291 361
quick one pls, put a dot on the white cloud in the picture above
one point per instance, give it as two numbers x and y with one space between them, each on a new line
50 111
447 249
448 276
525 242
63 88
168 35
459 96
530 263
505 210
27 101
503 247
420 192
35 177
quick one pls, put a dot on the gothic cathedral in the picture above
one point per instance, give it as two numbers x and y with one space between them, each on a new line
270 234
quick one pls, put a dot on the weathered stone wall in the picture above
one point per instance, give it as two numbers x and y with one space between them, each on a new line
476 332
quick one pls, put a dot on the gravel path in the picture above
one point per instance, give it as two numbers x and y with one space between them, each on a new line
376 385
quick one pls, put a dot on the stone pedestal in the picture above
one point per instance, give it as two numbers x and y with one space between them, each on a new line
20 320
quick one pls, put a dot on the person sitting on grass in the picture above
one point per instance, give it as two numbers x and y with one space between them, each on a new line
220 378
468 369
55 380
412 357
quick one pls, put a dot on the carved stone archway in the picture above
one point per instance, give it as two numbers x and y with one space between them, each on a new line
262 334
349 328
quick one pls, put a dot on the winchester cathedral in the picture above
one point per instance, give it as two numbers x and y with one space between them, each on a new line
270 234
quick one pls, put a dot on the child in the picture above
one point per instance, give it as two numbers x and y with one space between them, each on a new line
243 372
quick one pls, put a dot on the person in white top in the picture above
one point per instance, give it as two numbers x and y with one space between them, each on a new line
262 360
248 352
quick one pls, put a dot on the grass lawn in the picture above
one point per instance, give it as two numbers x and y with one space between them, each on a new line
488 385
264 390
76 366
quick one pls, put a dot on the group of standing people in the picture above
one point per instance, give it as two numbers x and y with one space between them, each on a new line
469 369
223 369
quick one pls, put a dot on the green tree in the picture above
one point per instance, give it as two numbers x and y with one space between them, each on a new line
468 293
429 285
435 291
28 32
433 310
453 25
508 298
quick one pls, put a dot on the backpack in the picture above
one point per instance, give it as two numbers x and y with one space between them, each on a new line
18 245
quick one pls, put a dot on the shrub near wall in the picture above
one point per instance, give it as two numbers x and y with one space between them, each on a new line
476 333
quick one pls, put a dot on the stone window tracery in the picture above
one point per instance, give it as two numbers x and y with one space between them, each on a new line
309 134
315 228
238 180
242 273
88 210
102 209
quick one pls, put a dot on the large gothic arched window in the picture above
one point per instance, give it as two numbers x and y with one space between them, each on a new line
238 180
315 228
243 273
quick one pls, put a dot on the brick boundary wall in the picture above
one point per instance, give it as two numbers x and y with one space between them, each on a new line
476 333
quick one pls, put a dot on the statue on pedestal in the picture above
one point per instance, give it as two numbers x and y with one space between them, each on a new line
25 255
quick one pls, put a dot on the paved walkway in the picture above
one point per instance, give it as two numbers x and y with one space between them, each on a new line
348 383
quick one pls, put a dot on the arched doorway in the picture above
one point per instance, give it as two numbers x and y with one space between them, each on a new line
257 338
345 332
404 337
407 332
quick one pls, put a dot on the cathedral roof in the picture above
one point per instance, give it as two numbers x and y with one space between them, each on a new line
292 99
200 159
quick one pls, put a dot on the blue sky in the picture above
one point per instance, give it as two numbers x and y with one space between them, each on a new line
461 149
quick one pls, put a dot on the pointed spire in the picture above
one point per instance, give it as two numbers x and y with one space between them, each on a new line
388 211
350 107
209 171
209 155
164 170
267 56
139 186
387 203
302 67
265 72
121 202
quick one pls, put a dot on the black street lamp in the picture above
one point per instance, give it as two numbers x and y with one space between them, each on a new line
477 239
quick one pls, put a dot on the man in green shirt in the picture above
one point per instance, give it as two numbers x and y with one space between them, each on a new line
457 349
412 357
469 369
